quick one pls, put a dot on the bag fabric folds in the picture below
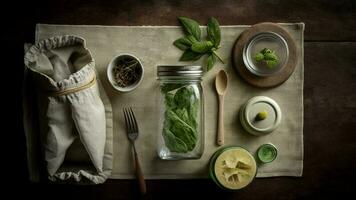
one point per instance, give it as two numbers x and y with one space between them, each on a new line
63 72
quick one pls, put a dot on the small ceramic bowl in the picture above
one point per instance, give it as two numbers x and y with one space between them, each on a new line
252 107
111 74
267 153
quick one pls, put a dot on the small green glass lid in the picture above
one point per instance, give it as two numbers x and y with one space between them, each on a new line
267 153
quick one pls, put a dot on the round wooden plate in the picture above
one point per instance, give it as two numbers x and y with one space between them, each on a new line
266 81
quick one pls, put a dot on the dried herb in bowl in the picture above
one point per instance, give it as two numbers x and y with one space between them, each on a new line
127 71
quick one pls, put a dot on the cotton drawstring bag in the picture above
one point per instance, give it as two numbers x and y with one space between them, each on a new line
73 128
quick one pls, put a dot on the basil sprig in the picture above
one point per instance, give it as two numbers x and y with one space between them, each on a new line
194 46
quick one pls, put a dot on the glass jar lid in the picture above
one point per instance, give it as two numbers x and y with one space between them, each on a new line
180 70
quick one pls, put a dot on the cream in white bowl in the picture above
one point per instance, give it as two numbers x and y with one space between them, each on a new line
112 77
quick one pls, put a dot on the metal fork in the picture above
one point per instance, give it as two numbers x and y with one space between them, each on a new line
132 134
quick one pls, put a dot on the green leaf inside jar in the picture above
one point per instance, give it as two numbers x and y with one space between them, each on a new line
180 127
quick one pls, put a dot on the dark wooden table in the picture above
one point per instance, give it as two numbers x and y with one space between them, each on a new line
329 91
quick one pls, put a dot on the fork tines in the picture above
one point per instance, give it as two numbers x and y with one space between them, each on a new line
130 120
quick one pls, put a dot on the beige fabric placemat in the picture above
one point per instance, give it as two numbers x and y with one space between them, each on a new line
153 45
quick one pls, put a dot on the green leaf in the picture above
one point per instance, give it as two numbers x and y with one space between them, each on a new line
191 27
258 57
265 50
211 61
167 87
173 143
214 33
169 100
181 117
183 97
182 130
193 113
190 55
271 63
191 39
270 56
202 47
183 43
183 114
187 104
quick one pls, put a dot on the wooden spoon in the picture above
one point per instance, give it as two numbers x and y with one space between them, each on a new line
221 86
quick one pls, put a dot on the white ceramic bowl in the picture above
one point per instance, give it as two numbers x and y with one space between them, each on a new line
111 77
250 109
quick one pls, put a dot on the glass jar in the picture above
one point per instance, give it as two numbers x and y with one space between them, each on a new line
181 120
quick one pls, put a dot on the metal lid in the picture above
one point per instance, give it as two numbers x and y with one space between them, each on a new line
180 70
250 112
260 41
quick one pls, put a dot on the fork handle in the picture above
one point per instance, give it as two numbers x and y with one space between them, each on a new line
139 174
